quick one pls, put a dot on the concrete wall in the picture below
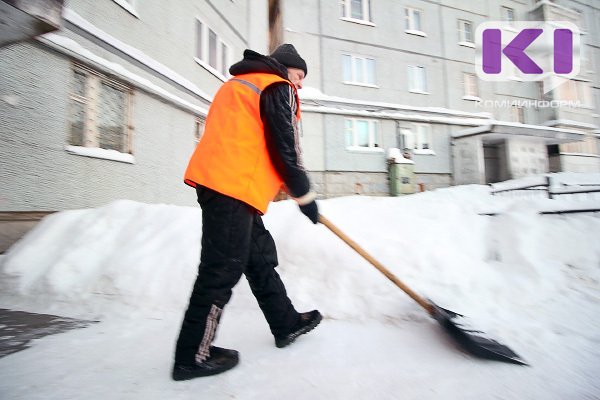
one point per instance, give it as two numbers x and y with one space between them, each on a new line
526 157
468 158
334 184
37 172
168 33
572 163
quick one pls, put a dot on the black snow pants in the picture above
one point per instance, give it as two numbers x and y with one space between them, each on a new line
234 242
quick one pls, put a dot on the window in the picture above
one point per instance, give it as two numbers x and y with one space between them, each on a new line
413 21
417 79
508 14
465 31
356 9
358 70
362 134
99 110
199 125
470 85
417 138
211 52
573 90
586 146
517 113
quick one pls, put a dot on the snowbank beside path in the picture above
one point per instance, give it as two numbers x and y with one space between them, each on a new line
129 257
531 281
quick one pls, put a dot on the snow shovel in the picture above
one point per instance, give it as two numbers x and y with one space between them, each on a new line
467 339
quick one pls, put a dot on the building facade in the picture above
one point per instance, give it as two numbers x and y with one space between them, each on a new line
112 105
401 73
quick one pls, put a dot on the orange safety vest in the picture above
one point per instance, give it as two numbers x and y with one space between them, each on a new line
232 156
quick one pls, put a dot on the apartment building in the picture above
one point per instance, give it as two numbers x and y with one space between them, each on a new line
401 73
112 105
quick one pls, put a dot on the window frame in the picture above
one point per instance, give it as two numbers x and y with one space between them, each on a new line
505 13
412 82
354 79
199 126
470 86
346 11
90 101
577 91
374 132
517 113
413 136
409 25
203 46
463 40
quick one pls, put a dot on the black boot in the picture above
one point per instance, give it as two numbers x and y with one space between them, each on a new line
307 322
220 360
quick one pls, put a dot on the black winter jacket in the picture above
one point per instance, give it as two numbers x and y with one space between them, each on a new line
278 113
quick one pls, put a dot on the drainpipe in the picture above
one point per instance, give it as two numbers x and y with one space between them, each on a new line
446 93
322 88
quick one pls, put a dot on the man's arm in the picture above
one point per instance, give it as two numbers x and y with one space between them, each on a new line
277 109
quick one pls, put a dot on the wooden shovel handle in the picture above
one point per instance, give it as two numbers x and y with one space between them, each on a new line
422 302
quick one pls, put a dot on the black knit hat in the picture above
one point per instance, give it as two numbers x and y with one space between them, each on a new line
287 55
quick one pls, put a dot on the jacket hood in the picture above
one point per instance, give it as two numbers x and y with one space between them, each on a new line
254 62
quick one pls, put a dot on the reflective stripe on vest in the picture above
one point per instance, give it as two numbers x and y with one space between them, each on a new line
232 156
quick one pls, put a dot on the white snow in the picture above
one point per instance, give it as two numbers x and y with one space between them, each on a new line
394 115
570 122
65 44
489 124
128 7
530 281
77 20
106 154
394 154
311 93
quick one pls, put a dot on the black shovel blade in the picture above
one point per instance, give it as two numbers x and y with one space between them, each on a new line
477 345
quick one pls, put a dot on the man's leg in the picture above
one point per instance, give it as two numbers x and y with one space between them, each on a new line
226 232
265 282
285 322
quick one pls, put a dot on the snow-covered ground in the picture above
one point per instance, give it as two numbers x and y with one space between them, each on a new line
531 281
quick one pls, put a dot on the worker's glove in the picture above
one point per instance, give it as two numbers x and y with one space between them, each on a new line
311 210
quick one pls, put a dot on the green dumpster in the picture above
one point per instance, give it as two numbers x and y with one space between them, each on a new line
401 173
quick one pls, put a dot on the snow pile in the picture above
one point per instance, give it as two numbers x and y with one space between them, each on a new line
131 257
531 281
119 258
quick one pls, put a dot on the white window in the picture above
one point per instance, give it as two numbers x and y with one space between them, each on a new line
99 111
465 31
508 14
362 134
358 70
199 125
413 21
417 79
356 9
211 52
470 85
417 139
517 113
